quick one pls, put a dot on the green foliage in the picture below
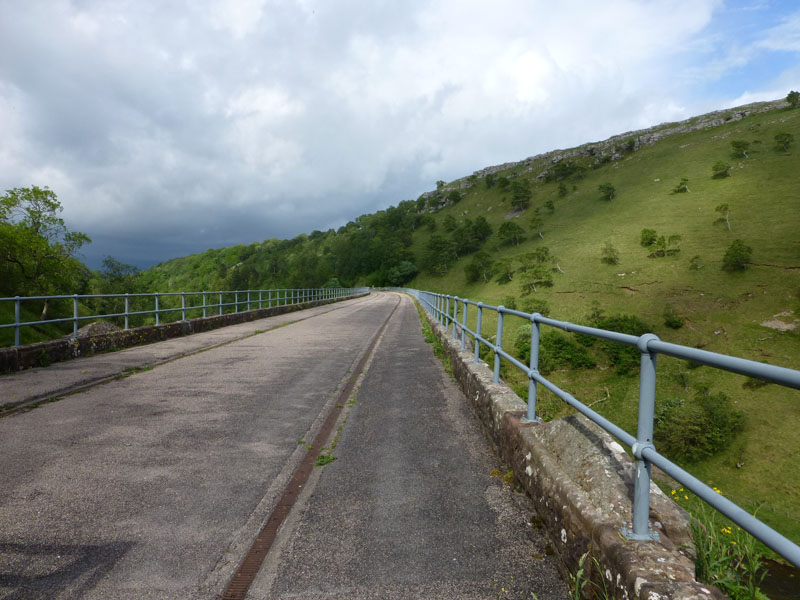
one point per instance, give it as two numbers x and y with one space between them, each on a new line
737 256
562 190
480 268
550 205
534 270
37 251
454 197
609 254
504 269
536 305
490 180
740 148
696 263
783 140
510 302
449 223
671 317
665 246
688 431
520 194
724 210
647 237
720 170
440 253
625 358
510 233
793 98
682 187
556 351
607 191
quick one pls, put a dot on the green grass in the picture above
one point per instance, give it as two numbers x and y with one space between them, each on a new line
722 311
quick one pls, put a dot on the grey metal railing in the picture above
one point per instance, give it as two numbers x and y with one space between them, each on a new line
446 310
205 303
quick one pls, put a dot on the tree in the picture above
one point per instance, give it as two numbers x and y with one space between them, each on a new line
647 237
550 205
481 230
737 256
449 223
720 170
723 210
665 246
682 187
783 140
439 254
504 269
536 223
37 251
740 148
562 189
454 197
520 194
511 233
481 267
793 98
534 270
607 191
609 254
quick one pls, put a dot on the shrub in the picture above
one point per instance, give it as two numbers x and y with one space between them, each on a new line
510 302
682 187
647 237
737 256
626 358
556 350
609 254
671 318
689 431
720 170
534 305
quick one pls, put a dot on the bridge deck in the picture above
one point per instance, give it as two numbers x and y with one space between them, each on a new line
155 485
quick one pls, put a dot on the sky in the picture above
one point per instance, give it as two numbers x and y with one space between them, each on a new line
167 127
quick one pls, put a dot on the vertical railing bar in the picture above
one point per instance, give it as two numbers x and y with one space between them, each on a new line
17 313
455 317
75 315
498 345
158 313
205 306
183 306
127 311
533 365
464 326
478 333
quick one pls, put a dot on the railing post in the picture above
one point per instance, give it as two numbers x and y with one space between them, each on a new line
455 317
220 303
183 306
204 305
498 343
158 320
478 333
236 301
464 326
260 299
75 315
446 315
269 301
127 311
644 439
533 365
17 312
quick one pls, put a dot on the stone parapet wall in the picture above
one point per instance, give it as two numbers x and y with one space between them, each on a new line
67 348
581 483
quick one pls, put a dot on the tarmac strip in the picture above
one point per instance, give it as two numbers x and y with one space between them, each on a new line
251 564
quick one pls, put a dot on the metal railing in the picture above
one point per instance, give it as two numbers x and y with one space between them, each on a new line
446 310
200 303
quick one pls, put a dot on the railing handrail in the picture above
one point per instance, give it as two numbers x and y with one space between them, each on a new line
445 309
271 297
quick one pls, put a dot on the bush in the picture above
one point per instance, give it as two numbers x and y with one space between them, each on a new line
689 431
671 318
647 237
534 305
556 350
737 256
626 358
609 254
510 302
720 170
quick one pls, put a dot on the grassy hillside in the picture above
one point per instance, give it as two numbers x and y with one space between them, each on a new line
721 311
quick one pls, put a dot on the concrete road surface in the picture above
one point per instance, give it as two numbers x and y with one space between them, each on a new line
155 485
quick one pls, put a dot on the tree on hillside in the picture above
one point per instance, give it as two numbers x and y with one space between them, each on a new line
720 170
480 268
723 210
37 251
562 189
439 254
647 237
607 191
783 141
740 148
682 187
793 98
520 194
535 270
536 223
609 254
737 256
511 233
504 269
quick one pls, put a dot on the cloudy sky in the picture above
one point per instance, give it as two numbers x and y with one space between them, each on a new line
167 127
